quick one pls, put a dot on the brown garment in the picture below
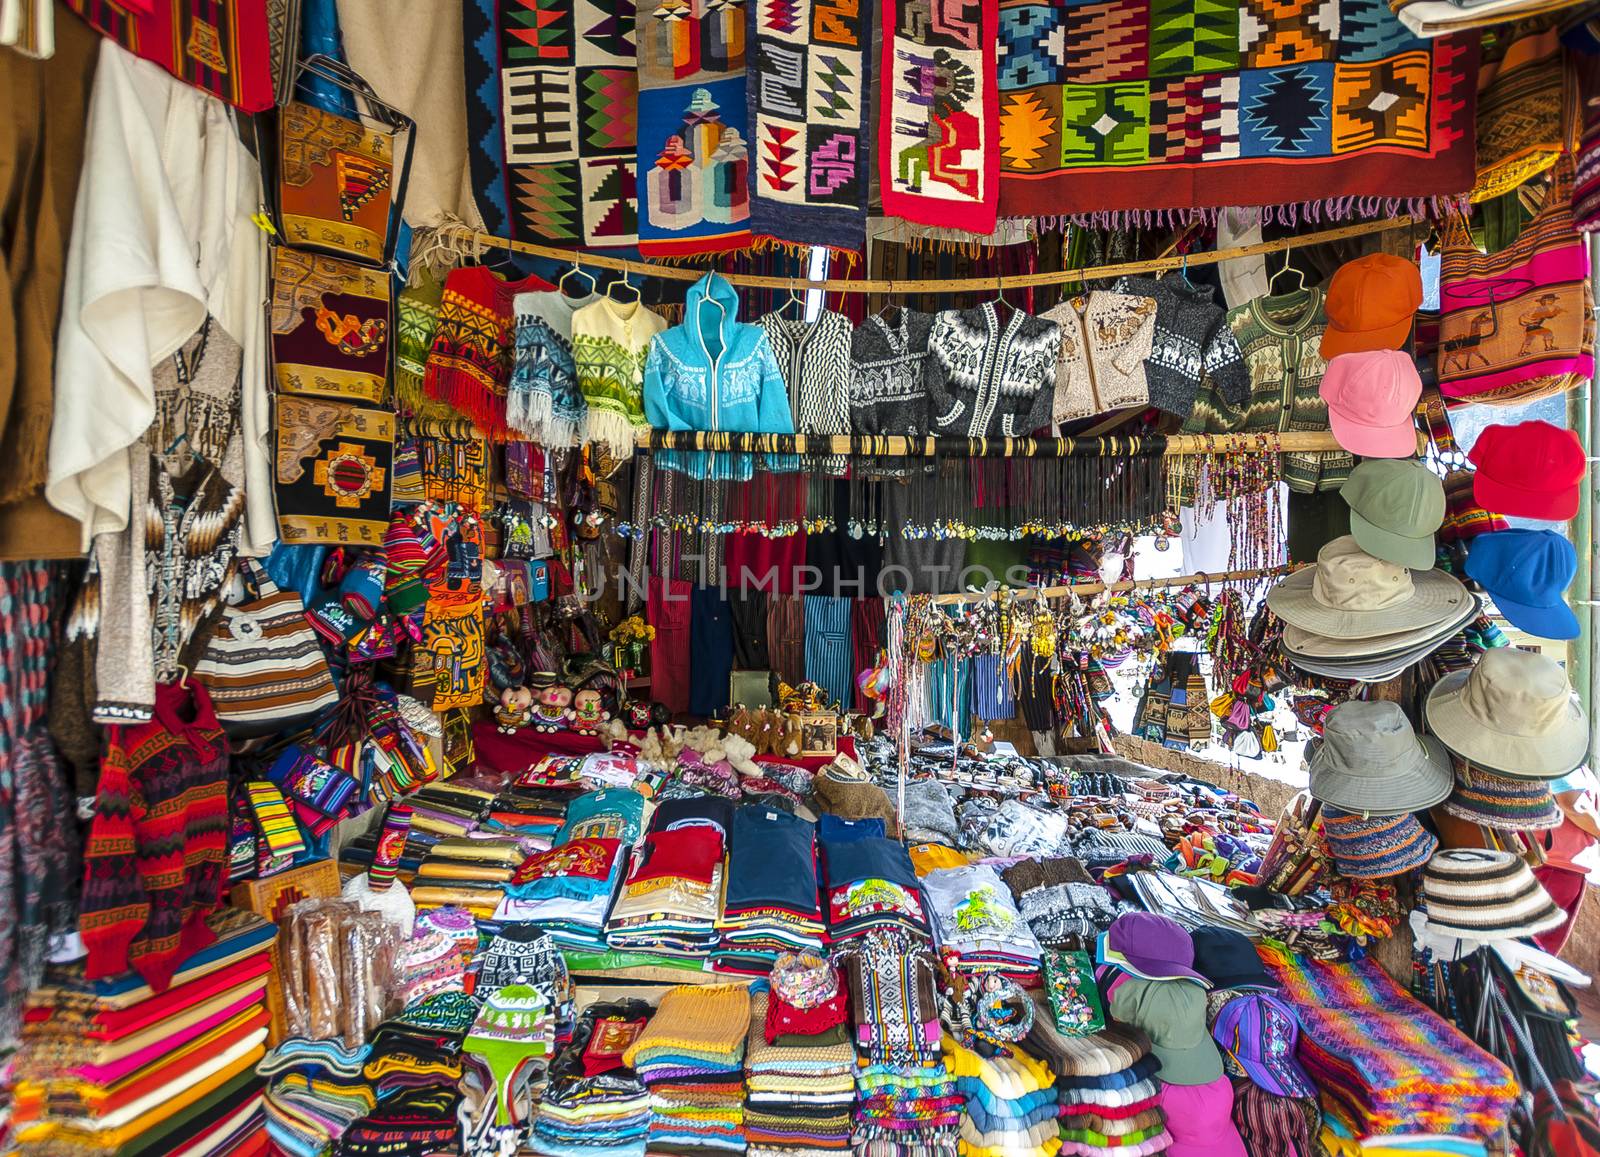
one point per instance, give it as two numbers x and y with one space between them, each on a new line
786 637
853 799
1026 875
41 152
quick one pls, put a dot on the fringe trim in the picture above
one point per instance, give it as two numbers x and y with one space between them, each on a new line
761 243
1290 214
469 397
535 418
612 429
30 439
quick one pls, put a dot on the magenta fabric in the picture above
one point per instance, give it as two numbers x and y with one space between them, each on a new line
1200 1119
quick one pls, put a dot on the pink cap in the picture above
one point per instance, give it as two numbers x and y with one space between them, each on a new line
1372 397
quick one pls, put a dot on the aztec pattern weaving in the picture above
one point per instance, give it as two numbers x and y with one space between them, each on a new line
1134 105
808 103
551 88
937 129
694 153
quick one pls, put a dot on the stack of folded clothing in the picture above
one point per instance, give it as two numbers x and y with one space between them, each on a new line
872 886
671 901
1063 906
533 813
1010 1102
593 1103
444 810
1108 1100
978 927
113 1065
771 904
416 1123
317 1090
906 1098
477 865
799 1065
691 1058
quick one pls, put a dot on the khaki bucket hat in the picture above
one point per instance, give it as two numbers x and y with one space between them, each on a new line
1350 594
1371 762
1514 714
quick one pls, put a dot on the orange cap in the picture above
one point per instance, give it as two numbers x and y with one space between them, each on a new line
1371 303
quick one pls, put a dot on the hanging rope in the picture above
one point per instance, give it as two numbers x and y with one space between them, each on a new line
463 237
895 446
1181 580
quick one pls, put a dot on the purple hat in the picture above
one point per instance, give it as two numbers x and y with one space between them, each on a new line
1257 1032
1150 946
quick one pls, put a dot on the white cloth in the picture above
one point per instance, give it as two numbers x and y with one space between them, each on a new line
161 237
1243 278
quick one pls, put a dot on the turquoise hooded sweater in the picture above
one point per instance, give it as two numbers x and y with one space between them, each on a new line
714 373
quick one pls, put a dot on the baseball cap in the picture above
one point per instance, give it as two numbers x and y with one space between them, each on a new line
1396 505
1148 945
1530 470
1372 397
1258 1032
1228 959
1370 304
1173 1015
1527 573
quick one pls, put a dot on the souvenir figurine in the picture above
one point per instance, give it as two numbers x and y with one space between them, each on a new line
514 711
588 712
553 709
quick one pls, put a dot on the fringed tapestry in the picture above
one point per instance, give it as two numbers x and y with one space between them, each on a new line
551 86
330 327
694 155
808 112
453 458
1129 111
938 147
218 46
333 466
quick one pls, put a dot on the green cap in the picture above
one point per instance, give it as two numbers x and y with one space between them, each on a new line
1396 505
1172 1013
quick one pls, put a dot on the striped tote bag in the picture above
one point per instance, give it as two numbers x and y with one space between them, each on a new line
263 665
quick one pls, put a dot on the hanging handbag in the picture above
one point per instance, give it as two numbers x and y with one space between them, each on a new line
1517 325
341 181
1522 103
262 665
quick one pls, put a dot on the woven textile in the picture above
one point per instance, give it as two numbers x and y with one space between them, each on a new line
550 119
808 120
218 46
1128 106
938 146
330 327
694 155
333 472
1386 1063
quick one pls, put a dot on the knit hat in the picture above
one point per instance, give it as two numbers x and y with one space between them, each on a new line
1173 1015
1396 505
1228 959
448 1012
1371 761
1502 802
1374 847
1257 1033
1527 573
525 954
1514 713
1480 894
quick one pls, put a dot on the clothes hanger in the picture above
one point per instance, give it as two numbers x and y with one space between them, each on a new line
1272 282
576 271
794 299
611 289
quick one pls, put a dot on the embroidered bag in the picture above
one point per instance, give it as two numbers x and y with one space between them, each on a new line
330 327
263 666
1517 325
1521 100
337 188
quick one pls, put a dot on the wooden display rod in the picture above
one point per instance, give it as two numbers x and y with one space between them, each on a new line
1181 580
895 446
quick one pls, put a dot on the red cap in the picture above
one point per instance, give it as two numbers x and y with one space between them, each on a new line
1371 303
1530 470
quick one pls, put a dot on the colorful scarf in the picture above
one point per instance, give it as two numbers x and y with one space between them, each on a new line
218 46
808 117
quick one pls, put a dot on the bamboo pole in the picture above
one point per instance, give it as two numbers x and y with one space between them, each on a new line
895 446
1181 580
463 235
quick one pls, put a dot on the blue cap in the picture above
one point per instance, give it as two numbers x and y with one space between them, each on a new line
1527 573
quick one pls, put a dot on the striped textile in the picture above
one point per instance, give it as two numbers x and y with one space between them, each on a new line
830 657
272 815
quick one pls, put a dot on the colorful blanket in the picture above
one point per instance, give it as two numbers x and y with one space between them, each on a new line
808 115
551 86
694 156
1114 109
939 152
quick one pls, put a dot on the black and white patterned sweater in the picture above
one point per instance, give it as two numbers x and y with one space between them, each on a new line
889 373
1192 344
991 372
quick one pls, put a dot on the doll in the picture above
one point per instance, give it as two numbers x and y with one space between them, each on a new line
588 712
515 710
553 711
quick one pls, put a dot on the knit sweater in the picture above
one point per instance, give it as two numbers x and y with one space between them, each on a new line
156 859
469 363
1191 345
416 312
991 372
1105 339
888 373
814 359
609 345
1281 338
696 1019
544 402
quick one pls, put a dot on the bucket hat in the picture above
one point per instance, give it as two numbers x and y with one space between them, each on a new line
1530 470
1482 894
1371 303
1381 648
1370 761
1501 801
1373 847
1258 1033
1228 959
1173 1016
1527 573
1350 594
1149 946
1514 714
1372 400
1395 508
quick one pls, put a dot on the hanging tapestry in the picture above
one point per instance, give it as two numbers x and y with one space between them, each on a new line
938 150
451 663
808 107
694 162
333 466
550 118
454 460
218 46
330 327
1120 110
